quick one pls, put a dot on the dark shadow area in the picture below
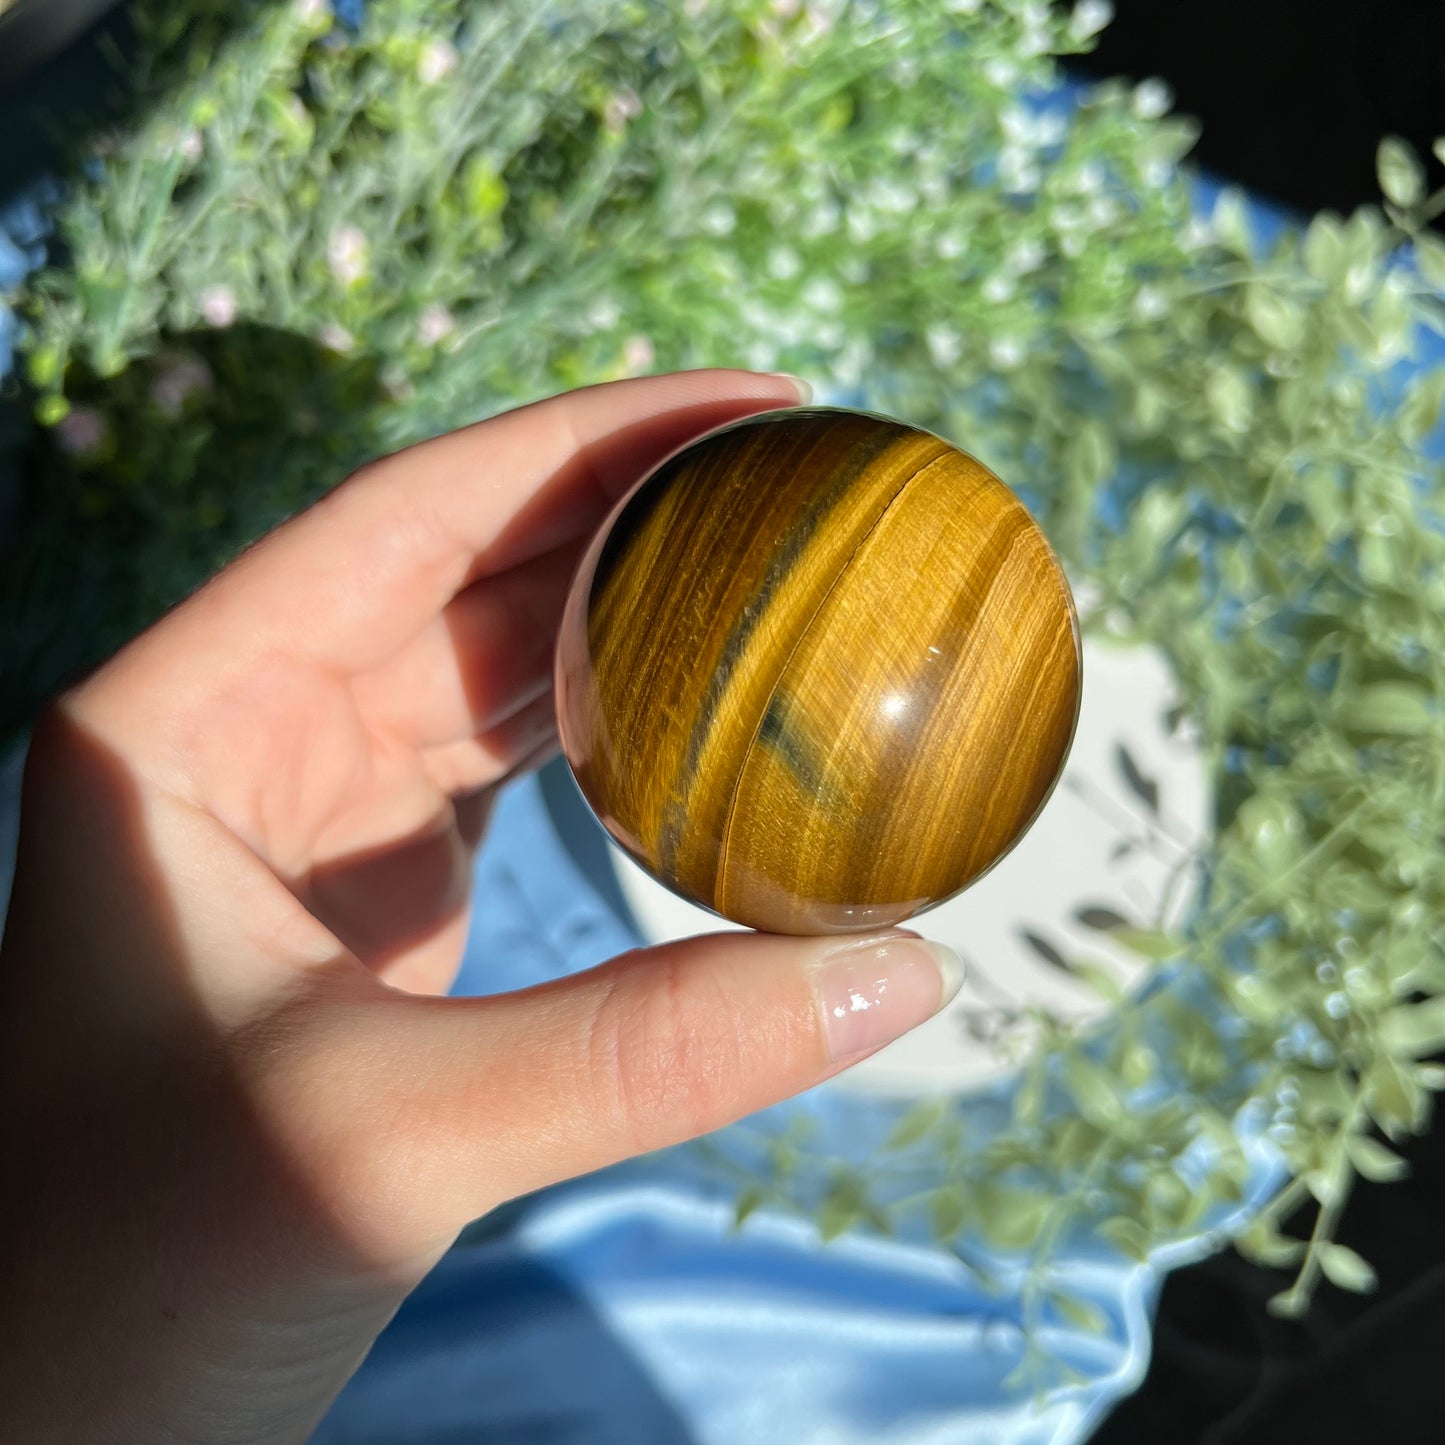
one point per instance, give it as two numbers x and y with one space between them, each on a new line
155 480
535 1366
1358 1368
168 1221
143 1180
1294 96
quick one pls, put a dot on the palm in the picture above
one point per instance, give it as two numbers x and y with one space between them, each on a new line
377 667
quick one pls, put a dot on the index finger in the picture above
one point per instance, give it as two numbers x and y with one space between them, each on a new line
348 581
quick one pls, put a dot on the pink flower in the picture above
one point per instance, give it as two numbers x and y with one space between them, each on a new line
622 106
218 305
180 379
438 60
81 431
638 355
435 324
192 146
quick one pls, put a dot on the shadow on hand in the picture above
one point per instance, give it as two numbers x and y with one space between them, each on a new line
173 1253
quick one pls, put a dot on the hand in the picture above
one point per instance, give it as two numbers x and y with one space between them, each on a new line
238 1124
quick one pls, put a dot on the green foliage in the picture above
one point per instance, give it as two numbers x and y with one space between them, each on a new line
315 246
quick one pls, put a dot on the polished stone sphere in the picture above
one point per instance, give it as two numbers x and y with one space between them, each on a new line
818 671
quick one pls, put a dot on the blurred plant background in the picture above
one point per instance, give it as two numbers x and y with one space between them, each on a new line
321 236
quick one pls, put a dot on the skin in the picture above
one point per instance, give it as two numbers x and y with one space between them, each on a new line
240 1121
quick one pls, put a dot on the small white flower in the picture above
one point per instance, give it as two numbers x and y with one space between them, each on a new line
693 8
1000 72
1152 98
944 344
335 337
181 378
621 106
1089 178
1149 303
719 219
81 431
1196 235
816 23
1071 245
435 324
1158 173
397 384
963 7
823 294
1017 125
346 253
1022 180
823 219
603 314
218 305
1103 211
311 12
784 263
998 288
438 60
1090 17
1050 129
1006 352
192 146
892 197
638 354
786 9
1024 256
949 246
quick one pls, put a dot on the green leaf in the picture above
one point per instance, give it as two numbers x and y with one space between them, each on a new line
1324 248
1277 321
921 1119
1262 1243
1012 1217
1343 1267
1394 1099
748 1201
1127 1235
1392 708
1414 1030
842 1206
1231 222
1149 942
1420 411
1430 257
1093 1090
1401 177
1373 1160
949 1209
1091 455
1082 1313
1230 398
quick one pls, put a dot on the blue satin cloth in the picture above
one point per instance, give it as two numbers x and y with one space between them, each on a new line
625 1307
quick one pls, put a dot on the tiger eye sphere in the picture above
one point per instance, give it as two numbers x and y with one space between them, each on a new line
818 671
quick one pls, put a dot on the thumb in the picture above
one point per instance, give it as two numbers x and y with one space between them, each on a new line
657 1046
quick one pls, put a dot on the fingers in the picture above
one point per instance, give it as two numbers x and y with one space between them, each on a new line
486 656
523 741
515 1092
349 581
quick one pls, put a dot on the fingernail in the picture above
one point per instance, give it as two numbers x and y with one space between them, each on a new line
803 388
873 990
